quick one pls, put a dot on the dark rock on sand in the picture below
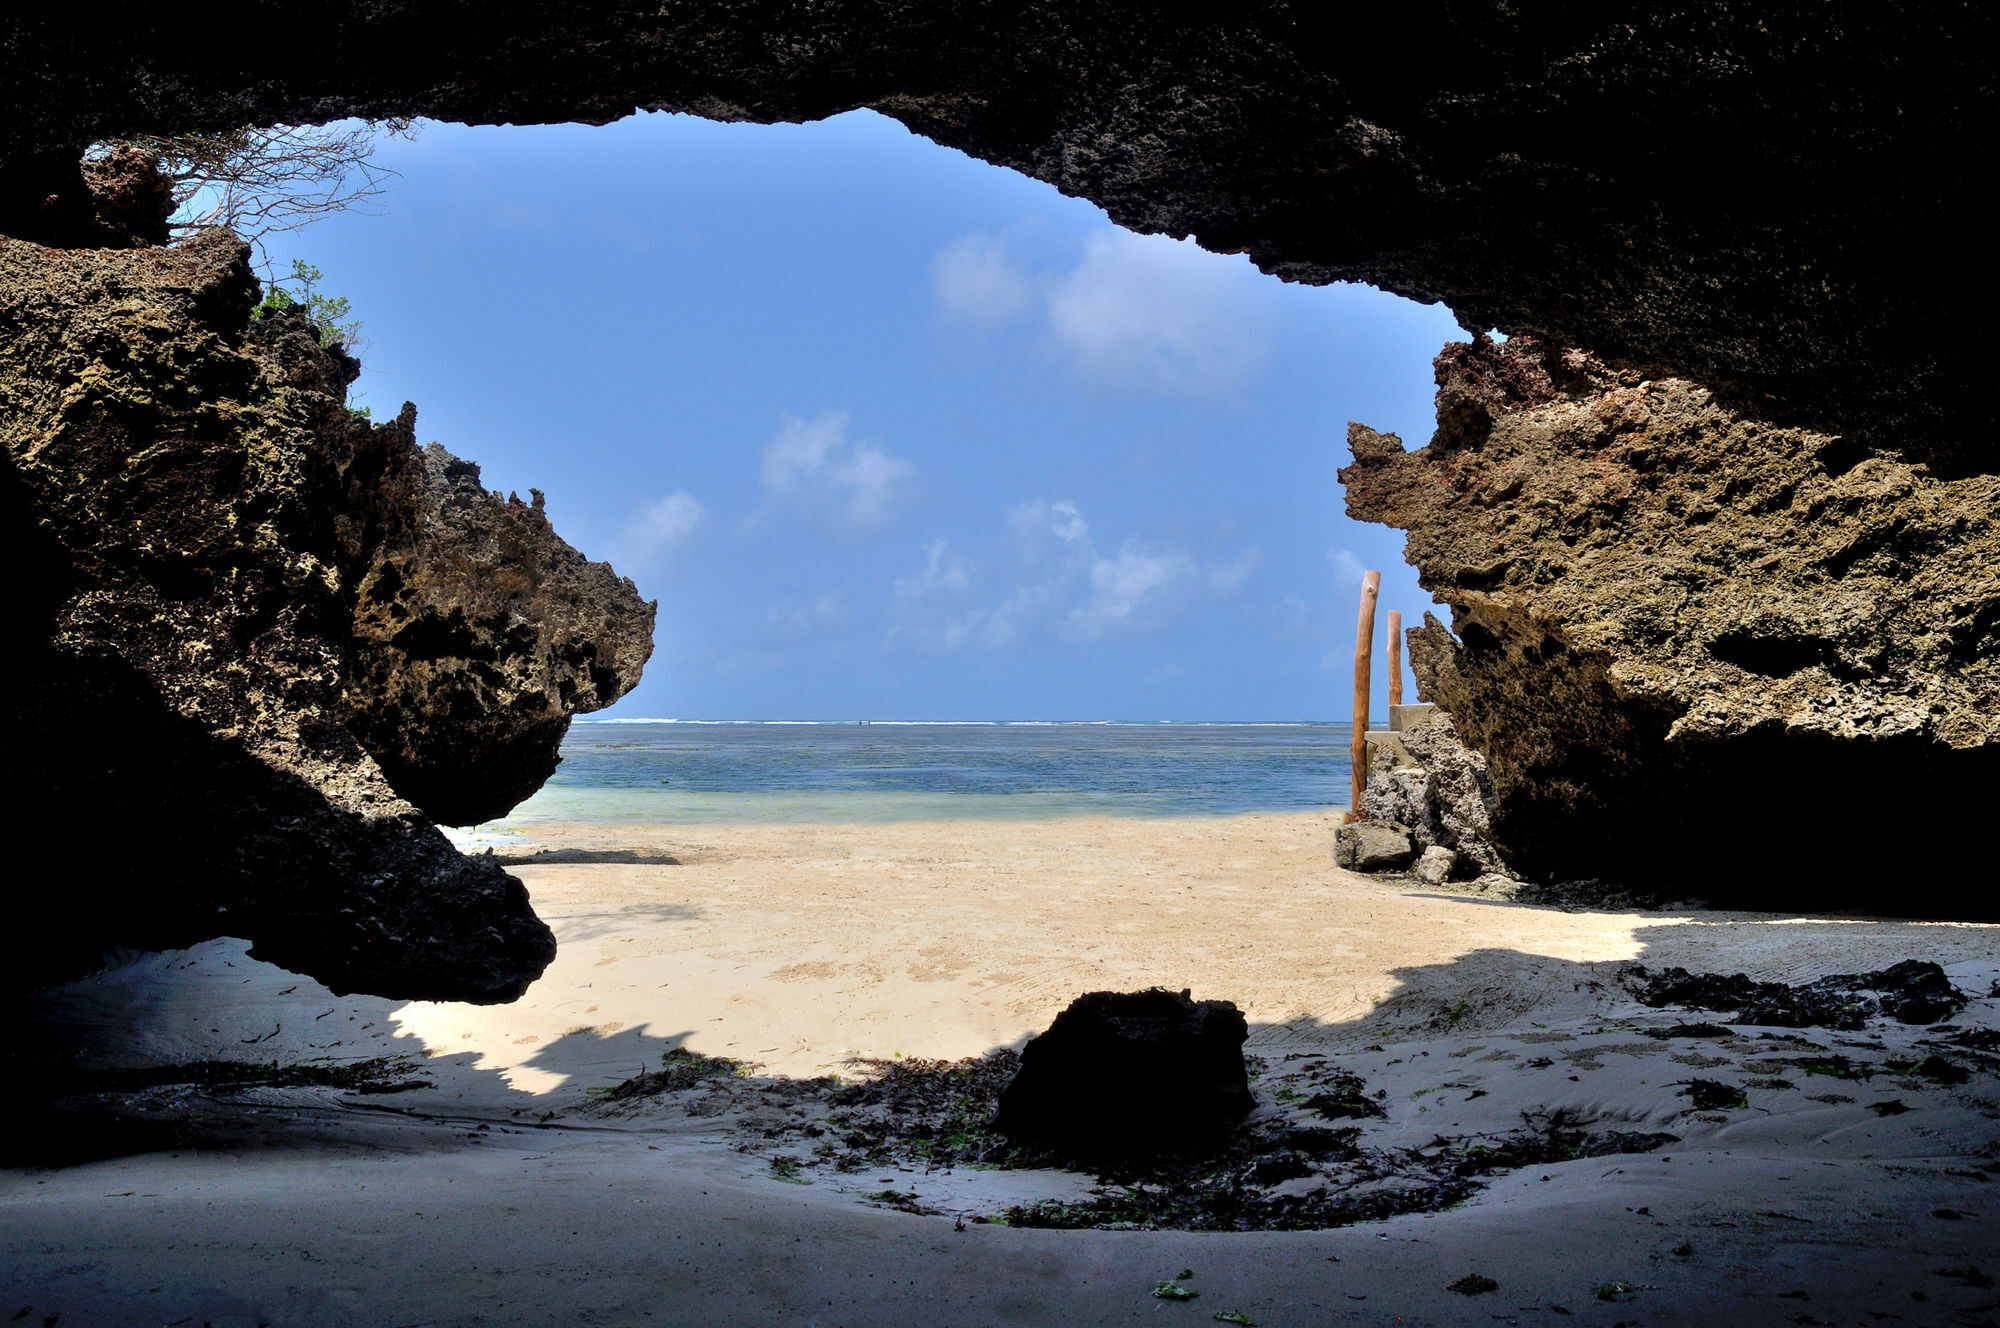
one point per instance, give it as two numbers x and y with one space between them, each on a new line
1126 1074
200 534
1684 635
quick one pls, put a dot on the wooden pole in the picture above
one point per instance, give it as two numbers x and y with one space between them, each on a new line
1395 661
1364 656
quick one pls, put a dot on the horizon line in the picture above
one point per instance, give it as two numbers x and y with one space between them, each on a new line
978 723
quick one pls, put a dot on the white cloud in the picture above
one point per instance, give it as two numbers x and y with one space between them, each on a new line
976 280
929 616
1137 313
1145 313
1347 568
794 620
849 488
1226 579
940 575
666 525
1068 591
1132 593
1044 530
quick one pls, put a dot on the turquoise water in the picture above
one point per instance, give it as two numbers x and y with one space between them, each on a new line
684 773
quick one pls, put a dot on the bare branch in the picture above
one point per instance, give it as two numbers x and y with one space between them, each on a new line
259 182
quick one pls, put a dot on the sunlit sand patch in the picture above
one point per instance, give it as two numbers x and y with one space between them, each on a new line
799 946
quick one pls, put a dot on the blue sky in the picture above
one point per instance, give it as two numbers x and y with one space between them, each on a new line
888 432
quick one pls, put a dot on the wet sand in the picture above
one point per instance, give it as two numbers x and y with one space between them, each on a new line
799 948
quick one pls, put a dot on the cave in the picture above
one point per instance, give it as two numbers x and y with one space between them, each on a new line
1623 181
1709 495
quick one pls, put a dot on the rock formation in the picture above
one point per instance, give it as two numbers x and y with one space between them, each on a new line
1712 578
236 605
1693 644
1785 199
1445 799
478 631
1131 1074
1374 846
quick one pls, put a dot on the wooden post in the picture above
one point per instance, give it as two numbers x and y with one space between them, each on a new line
1395 662
1364 656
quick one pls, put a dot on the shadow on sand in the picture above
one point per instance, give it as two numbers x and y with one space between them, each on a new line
84 1087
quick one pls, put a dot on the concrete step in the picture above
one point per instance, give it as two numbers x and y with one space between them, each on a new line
1405 717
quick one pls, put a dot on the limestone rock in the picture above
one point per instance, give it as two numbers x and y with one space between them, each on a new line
1124 1074
1497 884
1685 636
1446 798
1740 194
1373 846
114 199
186 517
1434 865
478 631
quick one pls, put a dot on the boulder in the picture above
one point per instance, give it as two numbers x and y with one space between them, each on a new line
1131 1074
1373 846
1434 865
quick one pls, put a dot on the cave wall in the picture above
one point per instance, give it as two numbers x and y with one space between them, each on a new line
1712 577
1782 201
201 534
1696 646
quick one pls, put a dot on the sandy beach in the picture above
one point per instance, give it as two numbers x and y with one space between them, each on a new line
800 950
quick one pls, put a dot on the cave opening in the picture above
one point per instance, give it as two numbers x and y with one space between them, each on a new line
889 432
1736 250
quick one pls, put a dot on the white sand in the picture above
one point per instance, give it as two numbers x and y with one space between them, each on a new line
798 947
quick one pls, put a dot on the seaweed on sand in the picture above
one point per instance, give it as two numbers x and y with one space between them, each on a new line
379 1074
1912 992
679 1070
1274 1173
1224 1194
1713 1095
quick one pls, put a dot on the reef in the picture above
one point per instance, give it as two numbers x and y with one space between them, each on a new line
1690 642
260 643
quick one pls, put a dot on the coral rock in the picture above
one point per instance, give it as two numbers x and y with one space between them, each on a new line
190 514
478 632
1434 865
1685 636
1754 194
1122 1074
1373 846
1446 798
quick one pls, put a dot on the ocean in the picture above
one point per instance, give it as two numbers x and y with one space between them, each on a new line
669 772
